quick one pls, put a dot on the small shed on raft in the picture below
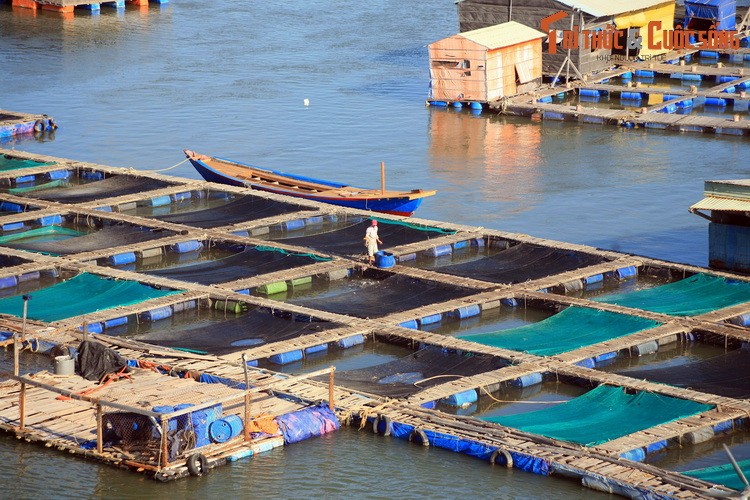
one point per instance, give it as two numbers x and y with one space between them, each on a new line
703 14
486 64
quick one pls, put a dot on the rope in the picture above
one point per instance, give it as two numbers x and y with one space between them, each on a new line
161 169
483 388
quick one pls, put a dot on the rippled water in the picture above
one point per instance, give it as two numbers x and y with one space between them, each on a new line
134 88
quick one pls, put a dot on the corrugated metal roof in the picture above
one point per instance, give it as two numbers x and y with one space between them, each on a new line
725 204
502 35
601 8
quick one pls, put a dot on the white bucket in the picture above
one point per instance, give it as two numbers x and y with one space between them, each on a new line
64 365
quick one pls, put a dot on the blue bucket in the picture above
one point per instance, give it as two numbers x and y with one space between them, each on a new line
384 260
224 429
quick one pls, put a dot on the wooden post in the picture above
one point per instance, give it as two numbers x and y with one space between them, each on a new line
164 442
25 311
22 406
86 330
99 429
331 406
382 177
16 368
246 427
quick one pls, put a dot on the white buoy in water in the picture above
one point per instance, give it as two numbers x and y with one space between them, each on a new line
306 102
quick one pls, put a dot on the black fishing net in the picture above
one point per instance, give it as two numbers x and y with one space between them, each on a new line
236 333
724 375
349 240
108 237
413 373
375 298
248 263
522 262
108 188
246 208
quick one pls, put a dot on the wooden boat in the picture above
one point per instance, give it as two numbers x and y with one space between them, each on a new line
239 174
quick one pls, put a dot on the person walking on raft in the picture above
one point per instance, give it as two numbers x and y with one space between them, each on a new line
371 241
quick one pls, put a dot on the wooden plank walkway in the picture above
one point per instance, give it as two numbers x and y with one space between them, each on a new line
601 461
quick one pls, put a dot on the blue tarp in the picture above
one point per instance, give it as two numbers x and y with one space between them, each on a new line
306 423
722 12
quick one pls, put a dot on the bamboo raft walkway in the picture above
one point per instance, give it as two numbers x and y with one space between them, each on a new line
650 116
277 393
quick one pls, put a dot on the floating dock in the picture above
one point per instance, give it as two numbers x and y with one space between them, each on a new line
13 123
69 6
666 112
123 220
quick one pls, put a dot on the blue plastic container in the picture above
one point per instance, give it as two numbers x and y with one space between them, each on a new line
460 244
293 225
509 302
637 455
586 363
105 208
545 99
93 327
121 259
25 178
708 54
7 206
631 96
316 349
669 108
723 427
716 102
597 278
201 420
157 314
384 260
412 323
348 342
475 105
589 92
49 220
8 281
439 104
431 319
730 90
527 380
645 73
439 251
243 232
654 447
464 398
626 272
725 79
92 176
12 226
627 75
224 429
186 246
691 77
58 174
467 311
457 104
286 357
605 357
314 221
182 196
160 201
30 276
111 323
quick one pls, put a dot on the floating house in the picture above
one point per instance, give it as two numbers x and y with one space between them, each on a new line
630 17
703 14
486 64
727 205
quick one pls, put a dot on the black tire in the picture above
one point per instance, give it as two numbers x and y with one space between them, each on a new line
197 464
500 452
376 425
40 126
419 436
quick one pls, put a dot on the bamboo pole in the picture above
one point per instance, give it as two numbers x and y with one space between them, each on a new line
331 406
99 429
164 441
382 177
16 368
22 407
246 427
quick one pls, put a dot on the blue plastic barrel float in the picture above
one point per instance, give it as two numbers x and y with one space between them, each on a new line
589 92
645 73
631 96
171 424
224 429
716 102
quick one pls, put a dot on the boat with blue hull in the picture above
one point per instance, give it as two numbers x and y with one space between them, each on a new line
234 173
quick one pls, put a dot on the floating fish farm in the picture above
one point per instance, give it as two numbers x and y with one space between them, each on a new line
226 306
